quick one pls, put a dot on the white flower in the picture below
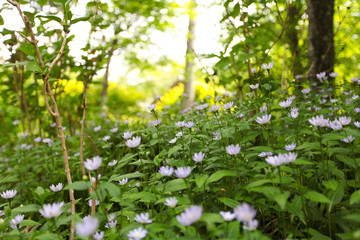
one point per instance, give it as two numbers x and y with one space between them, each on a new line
137 234
113 163
263 109
233 149
227 216
143 218
189 124
56 188
348 139
285 104
106 138
344 120
123 181
264 119
306 90
51 210
253 70
180 124
215 107
127 135
294 114
335 125
198 157
274 160
156 122
8 194
267 66
333 74
97 202
254 86
321 76
180 134
152 107
53 125
96 129
265 154
171 202
93 164
290 147
354 79
245 213
228 105
38 139
173 140
134 142
166 170
319 121
289 157
98 236
111 224
251 225
114 130
182 172
16 122
190 215
16 221
357 124
48 141
87 227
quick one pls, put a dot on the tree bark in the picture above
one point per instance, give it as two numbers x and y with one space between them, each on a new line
321 38
189 81
106 76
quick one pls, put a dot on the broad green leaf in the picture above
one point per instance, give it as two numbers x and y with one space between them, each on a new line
200 180
355 197
129 175
229 202
80 19
262 149
336 196
33 66
1 20
211 218
28 49
113 189
219 175
48 236
331 184
28 208
54 18
257 183
142 196
173 150
316 197
79 185
175 185
27 222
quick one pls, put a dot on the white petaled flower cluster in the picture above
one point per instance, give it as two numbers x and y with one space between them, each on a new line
8 194
202 106
246 214
143 218
228 105
182 172
263 109
87 227
113 163
190 215
123 181
166 170
254 86
96 129
93 164
357 124
106 138
348 139
264 119
51 210
216 136
172 141
156 122
56 188
233 149
180 124
267 66
171 202
306 90
137 234
127 135
134 142
319 121
152 107
290 147
294 113
281 158
111 221
215 107
321 76
114 130
227 216
285 104
344 120
198 157
16 221
189 124
97 202
265 154
98 236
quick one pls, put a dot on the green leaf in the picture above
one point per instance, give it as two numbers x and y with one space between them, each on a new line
262 149
29 223
336 196
129 175
48 236
355 197
200 180
33 66
28 208
80 19
257 183
316 197
142 196
1 20
229 202
175 185
219 175
331 184
28 49
63 220
79 185
174 150
54 18
113 189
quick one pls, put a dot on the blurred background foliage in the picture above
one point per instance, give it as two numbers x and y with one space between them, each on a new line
252 33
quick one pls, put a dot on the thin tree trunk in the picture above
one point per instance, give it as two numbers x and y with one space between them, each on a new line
5 127
189 81
15 77
321 38
106 76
